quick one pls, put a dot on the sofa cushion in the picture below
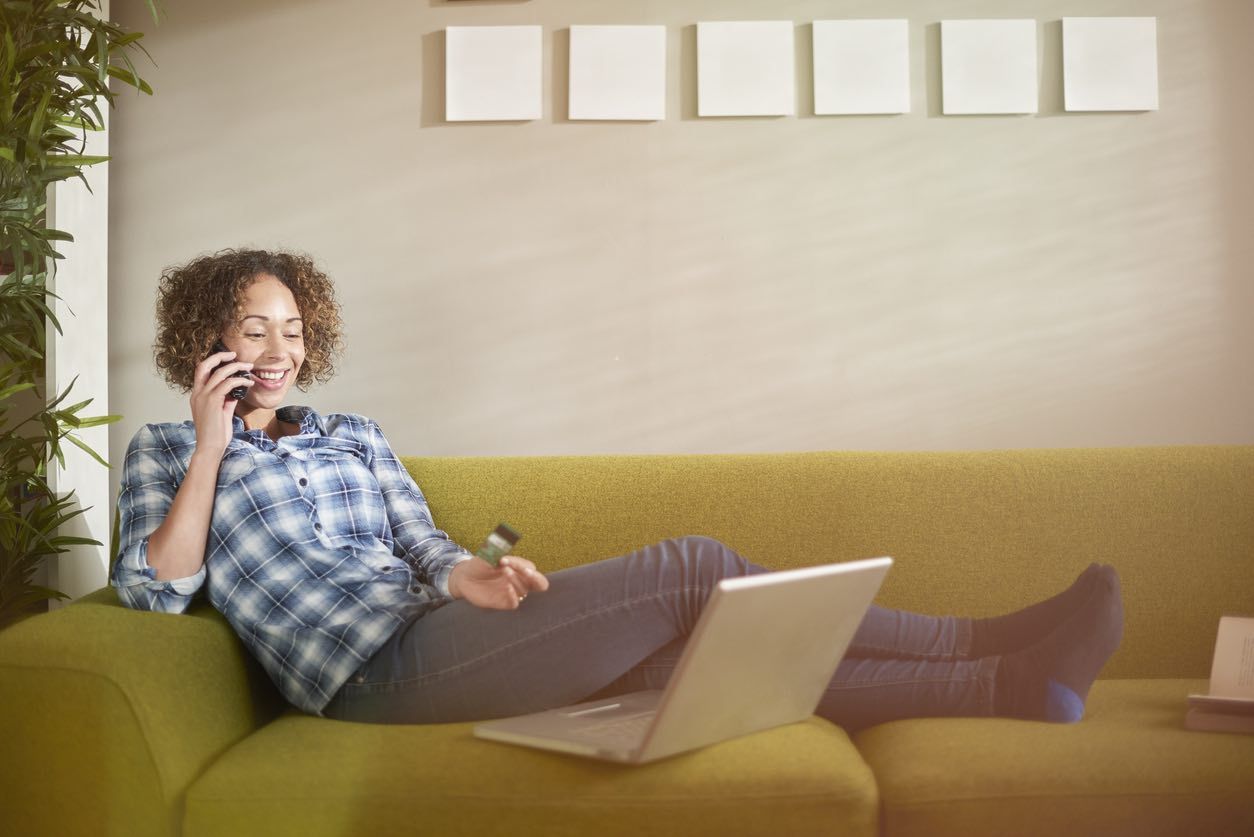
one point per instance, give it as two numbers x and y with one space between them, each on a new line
309 776
1129 767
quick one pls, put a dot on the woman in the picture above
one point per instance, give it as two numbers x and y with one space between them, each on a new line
312 539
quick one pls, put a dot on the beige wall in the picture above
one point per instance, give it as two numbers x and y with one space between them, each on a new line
706 284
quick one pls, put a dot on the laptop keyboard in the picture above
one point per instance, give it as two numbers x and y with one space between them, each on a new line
624 731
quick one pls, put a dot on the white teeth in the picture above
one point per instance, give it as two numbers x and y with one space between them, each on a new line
270 376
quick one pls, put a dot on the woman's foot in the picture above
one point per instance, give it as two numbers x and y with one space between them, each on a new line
1050 681
998 635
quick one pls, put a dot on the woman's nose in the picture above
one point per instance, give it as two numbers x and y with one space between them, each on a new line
274 346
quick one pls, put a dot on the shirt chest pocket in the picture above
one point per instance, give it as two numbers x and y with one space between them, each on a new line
339 464
340 478
237 464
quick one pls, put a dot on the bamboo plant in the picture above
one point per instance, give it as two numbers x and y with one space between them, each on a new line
57 58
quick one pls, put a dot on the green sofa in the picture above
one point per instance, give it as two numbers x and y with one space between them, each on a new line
118 722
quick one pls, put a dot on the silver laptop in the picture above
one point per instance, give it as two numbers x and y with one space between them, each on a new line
763 651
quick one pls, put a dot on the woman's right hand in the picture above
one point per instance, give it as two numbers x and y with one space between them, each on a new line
212 408
502 587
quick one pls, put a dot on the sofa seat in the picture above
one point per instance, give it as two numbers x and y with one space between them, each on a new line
1129 767
307 775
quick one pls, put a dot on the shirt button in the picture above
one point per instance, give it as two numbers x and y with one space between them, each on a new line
304 481
318 526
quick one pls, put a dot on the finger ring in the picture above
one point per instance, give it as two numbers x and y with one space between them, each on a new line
520 598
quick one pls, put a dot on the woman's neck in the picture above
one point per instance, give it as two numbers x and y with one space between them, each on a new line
267 420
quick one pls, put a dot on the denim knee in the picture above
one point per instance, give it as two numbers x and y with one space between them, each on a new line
703 549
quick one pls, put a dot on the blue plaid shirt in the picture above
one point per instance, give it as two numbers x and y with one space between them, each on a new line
319 548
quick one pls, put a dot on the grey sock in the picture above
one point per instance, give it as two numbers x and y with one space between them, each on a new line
1051 680
998 635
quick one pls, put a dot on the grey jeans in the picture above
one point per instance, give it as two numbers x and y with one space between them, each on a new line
619 625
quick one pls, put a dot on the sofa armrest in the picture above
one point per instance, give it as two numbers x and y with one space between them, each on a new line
108 714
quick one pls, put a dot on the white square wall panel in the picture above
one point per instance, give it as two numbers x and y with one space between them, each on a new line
861 66
1110 63
492 73
618 72
746 68
988 66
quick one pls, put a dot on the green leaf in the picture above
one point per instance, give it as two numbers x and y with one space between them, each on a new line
5 393
76 407
77 159
126 40
63 395
75 540
98 421
129 78
74 440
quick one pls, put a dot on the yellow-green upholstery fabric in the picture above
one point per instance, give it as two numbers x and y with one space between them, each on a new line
1129 768
302 775
164 725
118 711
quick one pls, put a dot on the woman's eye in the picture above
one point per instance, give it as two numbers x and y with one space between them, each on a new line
292 336
254 335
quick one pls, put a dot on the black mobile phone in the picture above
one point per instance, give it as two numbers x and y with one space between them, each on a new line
238 392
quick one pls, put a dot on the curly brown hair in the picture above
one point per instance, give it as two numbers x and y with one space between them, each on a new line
198 301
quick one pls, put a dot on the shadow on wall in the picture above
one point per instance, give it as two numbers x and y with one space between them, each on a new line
1233 125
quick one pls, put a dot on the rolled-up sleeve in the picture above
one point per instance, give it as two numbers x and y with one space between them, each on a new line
428 550
145 498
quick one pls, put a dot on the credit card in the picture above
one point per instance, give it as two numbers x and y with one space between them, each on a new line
498 544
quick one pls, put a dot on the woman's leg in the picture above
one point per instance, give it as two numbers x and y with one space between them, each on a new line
899 634
619 625
1048 680
885 633
1048 656
596 621
863 691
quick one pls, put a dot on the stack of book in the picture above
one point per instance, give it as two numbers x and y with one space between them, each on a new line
1229 705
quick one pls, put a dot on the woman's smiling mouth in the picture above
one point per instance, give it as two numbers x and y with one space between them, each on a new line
270 379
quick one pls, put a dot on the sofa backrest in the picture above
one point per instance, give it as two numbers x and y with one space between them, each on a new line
974 533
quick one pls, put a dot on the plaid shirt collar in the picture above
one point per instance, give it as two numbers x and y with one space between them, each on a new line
311 424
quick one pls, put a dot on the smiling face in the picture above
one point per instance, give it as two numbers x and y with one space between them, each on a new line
270 335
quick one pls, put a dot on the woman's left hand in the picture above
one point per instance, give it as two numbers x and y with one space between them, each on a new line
502 587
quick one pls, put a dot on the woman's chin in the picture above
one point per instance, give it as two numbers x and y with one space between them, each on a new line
263 400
